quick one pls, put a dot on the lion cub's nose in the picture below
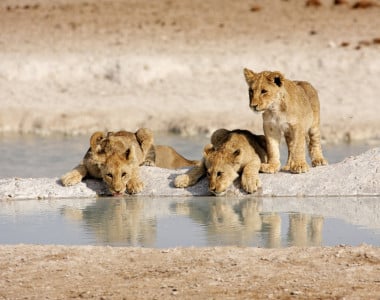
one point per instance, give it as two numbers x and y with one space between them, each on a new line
254 107
117 192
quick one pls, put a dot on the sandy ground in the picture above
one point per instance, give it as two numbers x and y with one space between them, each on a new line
75 66
72 67
55 272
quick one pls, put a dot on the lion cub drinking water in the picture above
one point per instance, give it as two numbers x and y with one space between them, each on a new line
116 156
291 107
229 154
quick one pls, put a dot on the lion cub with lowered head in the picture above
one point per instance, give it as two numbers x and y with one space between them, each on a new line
291 107
229 154
116 156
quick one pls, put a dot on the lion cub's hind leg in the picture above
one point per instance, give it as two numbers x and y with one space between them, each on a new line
315 148
289 144
74 176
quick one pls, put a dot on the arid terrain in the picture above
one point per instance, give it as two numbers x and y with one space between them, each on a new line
56 272
74 66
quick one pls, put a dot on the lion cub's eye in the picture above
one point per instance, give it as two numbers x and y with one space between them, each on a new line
250 91
109 175
218 174
263 91
208 174
123 174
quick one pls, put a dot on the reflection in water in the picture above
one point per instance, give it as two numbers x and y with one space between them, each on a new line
234 221
133 222
305 230
195 221
118 222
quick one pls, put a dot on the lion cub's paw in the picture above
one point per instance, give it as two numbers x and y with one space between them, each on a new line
319 162
148 163
182 181
71 178
134 186
270 168
299 167
250 185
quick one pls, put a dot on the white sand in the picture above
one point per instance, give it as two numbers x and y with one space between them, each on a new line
355 176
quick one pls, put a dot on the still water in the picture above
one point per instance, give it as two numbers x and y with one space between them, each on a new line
170 222
31 156
192 221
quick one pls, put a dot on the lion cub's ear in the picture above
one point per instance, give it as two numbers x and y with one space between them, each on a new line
236 153
276 77
144 134
235 156
219 136
249 75
115 145
145 138
208 149
95 141
130 154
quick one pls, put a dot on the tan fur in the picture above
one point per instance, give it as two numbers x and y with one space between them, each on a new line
230 154
120 172
291 108
167 157
116 156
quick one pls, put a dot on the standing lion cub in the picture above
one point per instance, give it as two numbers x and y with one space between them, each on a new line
291 108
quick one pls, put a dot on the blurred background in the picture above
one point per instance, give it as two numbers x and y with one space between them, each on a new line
71 67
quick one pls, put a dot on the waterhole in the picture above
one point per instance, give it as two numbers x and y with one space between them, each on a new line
174 222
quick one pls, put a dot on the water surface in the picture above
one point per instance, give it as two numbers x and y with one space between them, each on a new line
192 221
32 156
171 222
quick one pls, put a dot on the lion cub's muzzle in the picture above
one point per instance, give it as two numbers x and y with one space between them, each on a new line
214 191
255 108
117 191
218 194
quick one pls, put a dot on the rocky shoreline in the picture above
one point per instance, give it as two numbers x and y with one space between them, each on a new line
355 176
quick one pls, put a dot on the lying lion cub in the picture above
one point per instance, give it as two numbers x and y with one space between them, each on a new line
230 153
291 107
116 156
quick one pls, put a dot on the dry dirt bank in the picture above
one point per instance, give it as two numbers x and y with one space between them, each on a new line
56 272
78 66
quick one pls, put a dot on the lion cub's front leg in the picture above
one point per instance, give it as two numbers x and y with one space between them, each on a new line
272 137
134 185
191 177
74 176
250 180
